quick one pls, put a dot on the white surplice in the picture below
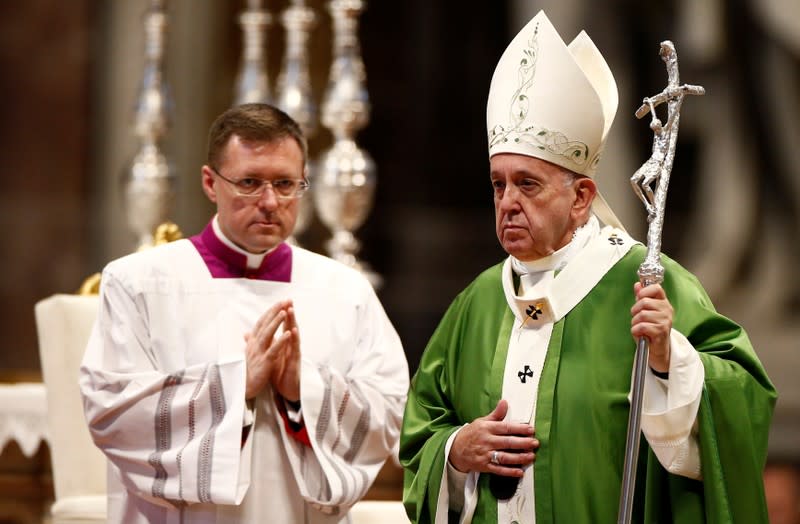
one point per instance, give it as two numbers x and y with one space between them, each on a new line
163 383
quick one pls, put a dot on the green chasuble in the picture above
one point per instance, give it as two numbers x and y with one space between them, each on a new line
582 407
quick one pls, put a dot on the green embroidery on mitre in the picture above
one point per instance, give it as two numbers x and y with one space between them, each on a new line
553 142
544 139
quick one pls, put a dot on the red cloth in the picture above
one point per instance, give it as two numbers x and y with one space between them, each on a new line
295 430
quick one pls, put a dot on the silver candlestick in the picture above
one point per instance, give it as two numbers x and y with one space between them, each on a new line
656 170
252 81
294 88
345 177
149 182
294 81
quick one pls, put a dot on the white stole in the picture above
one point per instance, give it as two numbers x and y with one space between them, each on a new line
546 298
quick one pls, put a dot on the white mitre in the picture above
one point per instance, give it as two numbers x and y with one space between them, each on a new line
552 101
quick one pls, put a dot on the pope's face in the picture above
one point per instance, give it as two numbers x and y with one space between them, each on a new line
256 224
537 204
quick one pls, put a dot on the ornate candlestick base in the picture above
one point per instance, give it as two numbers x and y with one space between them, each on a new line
344 187
343 246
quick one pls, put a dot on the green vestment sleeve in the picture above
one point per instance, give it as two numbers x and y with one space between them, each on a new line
449 392
582 406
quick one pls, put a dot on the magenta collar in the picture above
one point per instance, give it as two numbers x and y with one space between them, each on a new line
223 262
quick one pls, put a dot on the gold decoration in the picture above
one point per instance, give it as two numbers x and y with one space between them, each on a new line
533 312
90 286
165 232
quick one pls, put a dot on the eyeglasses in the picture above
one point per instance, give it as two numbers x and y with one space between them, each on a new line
284 188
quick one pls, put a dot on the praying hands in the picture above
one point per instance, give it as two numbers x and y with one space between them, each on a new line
274 359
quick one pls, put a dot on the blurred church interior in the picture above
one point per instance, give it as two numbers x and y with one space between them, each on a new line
70 74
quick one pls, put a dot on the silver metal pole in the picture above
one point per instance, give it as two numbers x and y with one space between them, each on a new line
656 170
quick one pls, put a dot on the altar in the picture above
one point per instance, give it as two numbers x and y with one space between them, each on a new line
23 411
26 485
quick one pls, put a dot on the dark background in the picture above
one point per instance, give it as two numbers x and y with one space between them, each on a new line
428 64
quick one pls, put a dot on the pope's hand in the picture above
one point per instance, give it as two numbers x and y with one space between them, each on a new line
491 445
652 318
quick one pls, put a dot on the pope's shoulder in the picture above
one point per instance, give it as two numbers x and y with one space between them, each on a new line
489 281
490 276
633 259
